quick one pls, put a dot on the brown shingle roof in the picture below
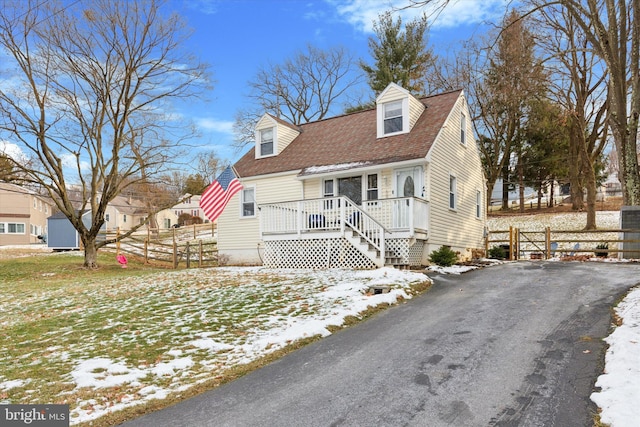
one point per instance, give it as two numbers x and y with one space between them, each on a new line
352 138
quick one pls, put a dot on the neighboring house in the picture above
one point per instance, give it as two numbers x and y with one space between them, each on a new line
385 186
125 212
190 205
23 215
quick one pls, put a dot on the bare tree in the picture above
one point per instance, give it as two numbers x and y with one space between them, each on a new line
89 99
612 28
580 86
303 88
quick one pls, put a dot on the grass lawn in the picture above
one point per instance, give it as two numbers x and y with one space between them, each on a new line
114 342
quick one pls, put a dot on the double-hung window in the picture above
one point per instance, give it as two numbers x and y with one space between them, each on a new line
372 187
266 142
248 202
393 119
452 192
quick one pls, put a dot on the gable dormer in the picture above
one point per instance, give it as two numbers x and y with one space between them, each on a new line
397 111
273 136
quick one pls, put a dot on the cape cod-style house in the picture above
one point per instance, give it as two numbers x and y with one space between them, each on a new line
384 186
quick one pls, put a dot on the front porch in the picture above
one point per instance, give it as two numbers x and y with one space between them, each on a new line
334 232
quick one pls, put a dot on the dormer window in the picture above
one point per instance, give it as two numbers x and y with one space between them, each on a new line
392 117
266 142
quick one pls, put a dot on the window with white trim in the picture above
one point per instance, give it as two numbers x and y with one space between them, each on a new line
12 228
327 191
393 118
266 142
124 218
478 204
372 186
463 128
452 192
248 202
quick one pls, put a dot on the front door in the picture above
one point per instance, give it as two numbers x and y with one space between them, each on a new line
408 183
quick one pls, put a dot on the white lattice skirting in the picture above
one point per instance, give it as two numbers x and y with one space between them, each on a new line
314 253
333 253
409 254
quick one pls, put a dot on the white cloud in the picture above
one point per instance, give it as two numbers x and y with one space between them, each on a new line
362 13
221 126
11 150
208 7
69 161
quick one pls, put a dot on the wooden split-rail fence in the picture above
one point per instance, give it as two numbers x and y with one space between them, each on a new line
547 243
190 246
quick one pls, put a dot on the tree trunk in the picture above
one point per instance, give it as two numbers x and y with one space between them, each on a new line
539 196
521 184
90 253
592 189
490 186
505 188
551 201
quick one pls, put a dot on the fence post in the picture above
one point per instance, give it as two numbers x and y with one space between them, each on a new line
547 242
200 254
175 250
194 232
188 251
487 233
511 241
117 241
146 251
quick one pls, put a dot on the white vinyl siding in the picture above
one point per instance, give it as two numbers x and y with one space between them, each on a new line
239 238
460 228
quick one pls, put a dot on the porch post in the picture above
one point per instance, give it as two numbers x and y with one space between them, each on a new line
342 214
300 218
383 250
412 215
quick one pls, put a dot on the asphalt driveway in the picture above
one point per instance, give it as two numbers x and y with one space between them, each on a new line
518 344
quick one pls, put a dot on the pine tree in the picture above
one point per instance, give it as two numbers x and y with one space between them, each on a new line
400 57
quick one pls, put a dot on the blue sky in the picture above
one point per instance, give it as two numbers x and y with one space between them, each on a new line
237 37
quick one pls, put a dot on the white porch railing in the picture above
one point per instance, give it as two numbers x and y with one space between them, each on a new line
331 213
327 214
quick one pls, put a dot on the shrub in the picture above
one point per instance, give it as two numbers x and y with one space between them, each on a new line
497 252
444 257
602 250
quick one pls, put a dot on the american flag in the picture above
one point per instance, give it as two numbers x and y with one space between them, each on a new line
217 195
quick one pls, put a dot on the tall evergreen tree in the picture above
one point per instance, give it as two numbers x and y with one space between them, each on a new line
513 79
400 56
